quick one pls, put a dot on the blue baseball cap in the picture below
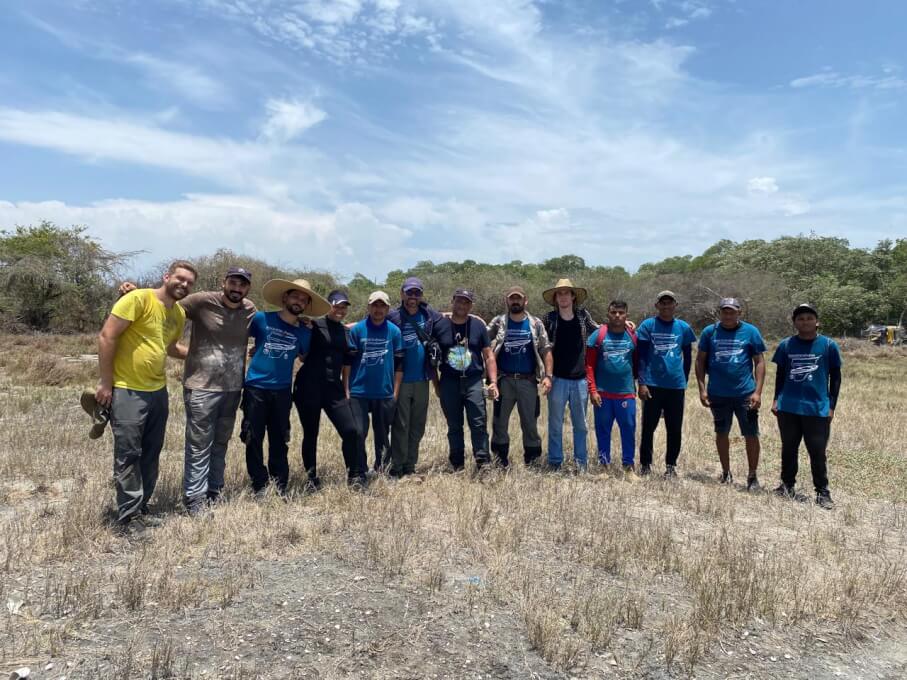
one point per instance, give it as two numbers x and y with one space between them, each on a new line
240 272
338 297
413 282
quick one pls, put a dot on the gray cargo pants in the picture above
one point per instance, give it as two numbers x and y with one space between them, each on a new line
409 427
138 421
209 425
523 393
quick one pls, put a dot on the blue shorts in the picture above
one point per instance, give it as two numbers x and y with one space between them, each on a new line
725 408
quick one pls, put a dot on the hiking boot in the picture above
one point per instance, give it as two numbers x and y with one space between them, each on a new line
629 469
645 470
670 472
726 478
824 501
312 485
358 483
551 467
752 484
196 507
130 528
148 520
785 491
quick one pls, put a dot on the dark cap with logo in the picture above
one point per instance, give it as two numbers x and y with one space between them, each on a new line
338 297
465 293
412 283
730 302
240 272
805 308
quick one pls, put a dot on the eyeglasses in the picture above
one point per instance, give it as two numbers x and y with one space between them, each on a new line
413 292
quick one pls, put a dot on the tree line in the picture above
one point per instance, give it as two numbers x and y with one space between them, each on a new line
59 279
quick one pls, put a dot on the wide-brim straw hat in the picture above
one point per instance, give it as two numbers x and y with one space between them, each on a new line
275 288
580 293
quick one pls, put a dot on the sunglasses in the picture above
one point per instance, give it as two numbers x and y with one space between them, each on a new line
413 292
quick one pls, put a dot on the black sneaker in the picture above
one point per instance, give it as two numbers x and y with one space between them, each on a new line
358 483
726 478
312 485
752 484
824 501
645 470
670 472
785 491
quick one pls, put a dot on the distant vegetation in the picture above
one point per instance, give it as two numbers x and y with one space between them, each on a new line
56 279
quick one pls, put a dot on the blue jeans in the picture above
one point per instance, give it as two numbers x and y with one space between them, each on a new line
624 412
572 393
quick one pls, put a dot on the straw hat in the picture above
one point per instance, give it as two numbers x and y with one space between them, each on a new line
275 288
580 293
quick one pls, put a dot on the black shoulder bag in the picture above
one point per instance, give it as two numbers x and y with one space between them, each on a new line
432 347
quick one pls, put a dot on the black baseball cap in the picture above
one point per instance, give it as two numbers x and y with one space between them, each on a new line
465 293
240 272
805 308
338 297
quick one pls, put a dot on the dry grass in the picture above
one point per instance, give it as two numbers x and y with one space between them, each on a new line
530 573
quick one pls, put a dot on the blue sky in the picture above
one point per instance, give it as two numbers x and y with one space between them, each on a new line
366 135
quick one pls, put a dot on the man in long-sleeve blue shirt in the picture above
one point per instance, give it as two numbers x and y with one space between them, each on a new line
665 357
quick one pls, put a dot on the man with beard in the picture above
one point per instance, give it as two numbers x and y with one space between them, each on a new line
416 320
141 331
523 355
466 356
279 339
323 383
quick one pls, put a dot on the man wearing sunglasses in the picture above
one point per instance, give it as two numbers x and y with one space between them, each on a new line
416 320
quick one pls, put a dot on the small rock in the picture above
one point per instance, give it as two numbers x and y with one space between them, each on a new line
20 673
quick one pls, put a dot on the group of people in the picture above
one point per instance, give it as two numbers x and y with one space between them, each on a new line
377 374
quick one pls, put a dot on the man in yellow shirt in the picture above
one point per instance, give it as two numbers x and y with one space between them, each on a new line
142 329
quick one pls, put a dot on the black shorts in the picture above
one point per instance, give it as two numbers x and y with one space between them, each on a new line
725 408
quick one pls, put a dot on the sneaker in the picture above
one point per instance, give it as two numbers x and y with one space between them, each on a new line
358 483
312 485
553 468
726 478
785 491
197 507
645 470
131 528
670 472
824 501
752 484
149 521
629 469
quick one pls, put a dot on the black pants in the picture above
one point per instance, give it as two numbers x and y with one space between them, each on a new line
266 411
459 395
382 412
670 402
340 413
814 432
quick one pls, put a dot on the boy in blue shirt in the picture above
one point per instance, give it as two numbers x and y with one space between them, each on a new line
279 338
807 385
730 354
376 375
664 344
611 365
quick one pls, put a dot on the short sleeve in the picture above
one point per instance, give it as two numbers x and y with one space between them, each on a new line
590 342
398 339
756 342
643 334
780 356
258 325
191 304
305 339
689 337
482 340
834 355
705 339
130 306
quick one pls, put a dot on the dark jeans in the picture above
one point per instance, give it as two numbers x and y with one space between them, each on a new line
266 411
138 421
340 413
814 432
670 402
382 412
459 395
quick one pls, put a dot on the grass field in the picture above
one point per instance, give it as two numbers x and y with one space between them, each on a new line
515 575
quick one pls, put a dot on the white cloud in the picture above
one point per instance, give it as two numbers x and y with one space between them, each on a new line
833 79
187 81
289 119
762 185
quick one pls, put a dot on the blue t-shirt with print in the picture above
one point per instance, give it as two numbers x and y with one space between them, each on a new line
414 350
372 373
614 362
730 360
517 355
806 365
277 343
661 346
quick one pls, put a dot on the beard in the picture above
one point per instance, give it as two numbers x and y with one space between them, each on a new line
516 307
177 290
295 309
234 296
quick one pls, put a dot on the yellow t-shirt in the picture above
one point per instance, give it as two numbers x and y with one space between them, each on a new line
141 353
